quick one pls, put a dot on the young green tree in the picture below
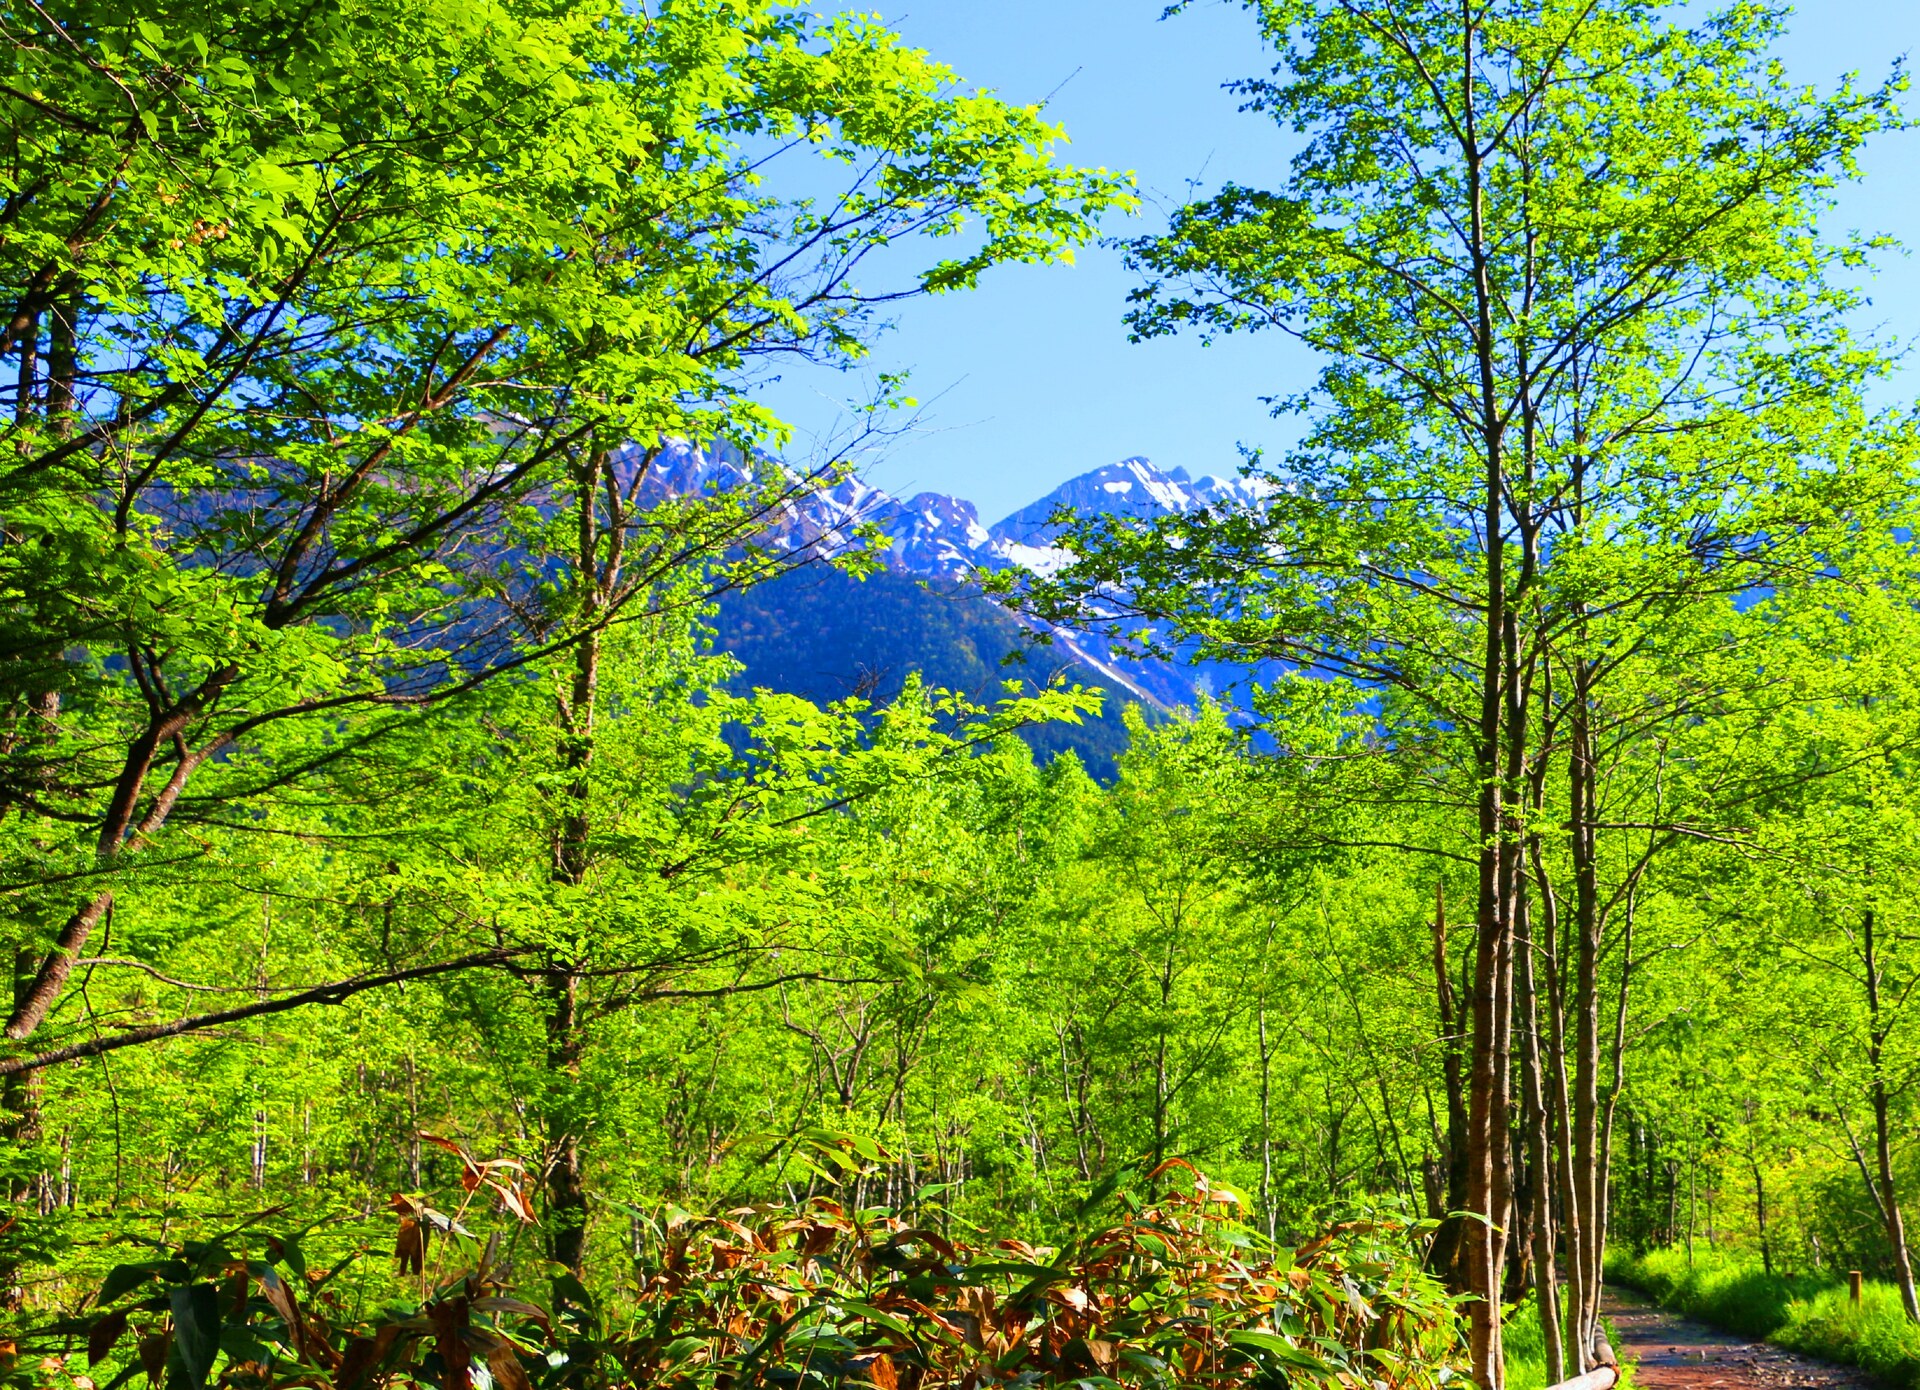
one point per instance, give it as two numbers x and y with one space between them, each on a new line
311 305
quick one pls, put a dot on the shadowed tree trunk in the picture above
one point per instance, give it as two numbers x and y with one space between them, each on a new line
1881 1185
597 575
1448 1253
1539 1158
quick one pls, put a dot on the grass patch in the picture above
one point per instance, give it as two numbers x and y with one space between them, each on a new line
1810 1313
1525 1348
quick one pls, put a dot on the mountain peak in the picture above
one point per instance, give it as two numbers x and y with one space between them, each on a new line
1134 487
934 535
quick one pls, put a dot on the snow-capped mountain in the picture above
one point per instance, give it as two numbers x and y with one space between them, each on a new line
1131 488
934 535
824 635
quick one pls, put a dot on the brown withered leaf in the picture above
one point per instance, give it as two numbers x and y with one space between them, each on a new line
153 1355
502 1303
1067 1296
237 1294
280 1298
410 1247
449 1319
356 1365
514 1201
508 1373
103 1334
442 1143
320 1341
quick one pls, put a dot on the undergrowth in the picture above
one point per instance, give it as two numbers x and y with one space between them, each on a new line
808 1296
1526 1348
1810 1313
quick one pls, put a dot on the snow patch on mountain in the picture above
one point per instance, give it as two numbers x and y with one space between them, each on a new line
1134 489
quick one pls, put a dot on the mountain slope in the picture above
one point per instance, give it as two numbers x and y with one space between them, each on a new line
821 634
818 633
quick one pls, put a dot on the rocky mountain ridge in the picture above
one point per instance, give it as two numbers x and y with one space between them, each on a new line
819 633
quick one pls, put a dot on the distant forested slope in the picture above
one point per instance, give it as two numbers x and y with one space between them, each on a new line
824 635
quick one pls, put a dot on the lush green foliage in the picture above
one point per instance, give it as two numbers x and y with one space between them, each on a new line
372 795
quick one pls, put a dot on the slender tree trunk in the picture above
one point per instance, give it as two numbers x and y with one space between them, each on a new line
1539 1157
1603 1189
20 1126
123 827
566 1169
1888 1196
1896 1224
567 1213
1555 956
1160 1061
1266 1095
1560 1102
1673 1202
1489 1171
1587 1175
1759 1196
1448 1256
1693 1198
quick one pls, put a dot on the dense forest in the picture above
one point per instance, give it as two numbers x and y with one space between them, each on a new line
421 943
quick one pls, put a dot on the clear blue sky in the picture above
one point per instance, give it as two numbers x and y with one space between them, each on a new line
1030 380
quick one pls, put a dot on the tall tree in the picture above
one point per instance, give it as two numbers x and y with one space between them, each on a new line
1585 368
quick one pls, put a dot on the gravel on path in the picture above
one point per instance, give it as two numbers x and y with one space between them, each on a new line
1677 1353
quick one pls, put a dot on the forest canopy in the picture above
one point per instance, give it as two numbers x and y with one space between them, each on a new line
434 964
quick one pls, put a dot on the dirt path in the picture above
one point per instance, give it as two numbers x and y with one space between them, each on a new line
1676 1353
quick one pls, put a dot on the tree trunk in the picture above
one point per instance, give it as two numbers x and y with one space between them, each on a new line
1539 1159
20 1126
1896 1225
1587 1175
1448 1255
1673 1202
567 1213
1603 1187
1759 1201
1160 1096
1489 1173
1887 1197
1266 1099
566 1171
1489 1169
123 827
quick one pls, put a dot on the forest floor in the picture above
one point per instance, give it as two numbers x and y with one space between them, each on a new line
1677 1353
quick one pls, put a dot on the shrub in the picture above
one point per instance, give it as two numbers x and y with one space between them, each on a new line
805 1297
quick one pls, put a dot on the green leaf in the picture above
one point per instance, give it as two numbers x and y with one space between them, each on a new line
196 1336
123 1278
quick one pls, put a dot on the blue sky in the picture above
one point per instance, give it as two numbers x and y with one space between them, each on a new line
1030 379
